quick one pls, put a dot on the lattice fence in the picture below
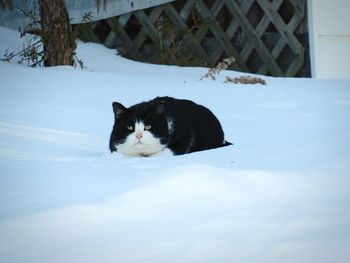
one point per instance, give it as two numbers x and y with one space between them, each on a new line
265 36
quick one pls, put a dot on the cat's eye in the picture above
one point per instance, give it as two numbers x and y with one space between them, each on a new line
130 128
148 127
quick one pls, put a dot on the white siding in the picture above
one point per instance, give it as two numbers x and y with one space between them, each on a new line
329 27
77 9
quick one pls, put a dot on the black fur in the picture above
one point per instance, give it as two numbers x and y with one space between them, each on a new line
193 127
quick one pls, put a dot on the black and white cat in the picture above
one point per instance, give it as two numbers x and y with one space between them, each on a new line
148 128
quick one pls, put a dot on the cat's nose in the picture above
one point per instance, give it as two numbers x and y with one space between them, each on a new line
139 135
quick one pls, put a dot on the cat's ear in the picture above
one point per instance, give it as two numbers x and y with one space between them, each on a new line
160 109
118 109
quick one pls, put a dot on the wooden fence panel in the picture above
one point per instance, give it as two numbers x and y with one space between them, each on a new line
262 35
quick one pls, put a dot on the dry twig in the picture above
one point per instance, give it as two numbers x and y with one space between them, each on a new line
224 64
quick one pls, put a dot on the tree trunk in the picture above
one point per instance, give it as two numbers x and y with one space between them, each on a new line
58 42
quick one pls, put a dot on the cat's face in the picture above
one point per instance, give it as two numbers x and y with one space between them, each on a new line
140 131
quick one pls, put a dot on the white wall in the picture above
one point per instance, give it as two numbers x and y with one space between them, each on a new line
329 31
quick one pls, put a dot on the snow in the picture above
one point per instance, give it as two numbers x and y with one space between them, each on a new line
279 194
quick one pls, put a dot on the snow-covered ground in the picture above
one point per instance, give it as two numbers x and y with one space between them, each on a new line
280 194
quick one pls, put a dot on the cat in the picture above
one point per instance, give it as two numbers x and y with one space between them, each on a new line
179 125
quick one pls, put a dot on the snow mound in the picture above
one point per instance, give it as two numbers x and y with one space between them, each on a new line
279 194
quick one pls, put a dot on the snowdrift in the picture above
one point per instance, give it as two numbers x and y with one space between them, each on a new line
279 194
